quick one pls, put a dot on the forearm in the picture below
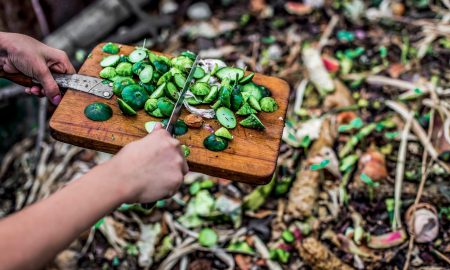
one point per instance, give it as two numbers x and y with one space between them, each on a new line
33 236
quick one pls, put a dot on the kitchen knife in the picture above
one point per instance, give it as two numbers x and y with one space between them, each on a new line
179 104
177 112
83 83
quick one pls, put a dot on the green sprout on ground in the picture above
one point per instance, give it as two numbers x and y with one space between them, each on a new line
370 184
324 163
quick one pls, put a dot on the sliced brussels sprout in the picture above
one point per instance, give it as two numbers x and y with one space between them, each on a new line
111 48
216 105
125 108
135 96
236 99
166 106
225 96
186 150
171 91
156 113
183 63
98 111
179 80
166 77
252 121
205 78
189 54
194 101
107 73
137 55
149 88
224 133
138 67
268 104
230 73
150 105
146 74
247 78
110 61
124 69
215 143
199 73
119 85
246 109
159 92
212 95
254 103
200 89
160 66
252 89
226 117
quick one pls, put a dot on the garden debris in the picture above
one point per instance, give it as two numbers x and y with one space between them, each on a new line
365 148
317 72
304 191
318 256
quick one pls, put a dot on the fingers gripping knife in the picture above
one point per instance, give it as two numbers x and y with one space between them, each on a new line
177 110
83 83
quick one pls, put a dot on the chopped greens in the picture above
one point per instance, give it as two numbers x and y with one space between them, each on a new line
146 80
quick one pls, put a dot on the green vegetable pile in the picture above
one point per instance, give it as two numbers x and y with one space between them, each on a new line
145 80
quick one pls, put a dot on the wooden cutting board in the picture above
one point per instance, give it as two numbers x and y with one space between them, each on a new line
251 156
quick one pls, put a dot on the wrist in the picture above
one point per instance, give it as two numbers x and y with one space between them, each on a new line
116 181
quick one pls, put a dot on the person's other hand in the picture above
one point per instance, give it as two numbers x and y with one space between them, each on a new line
149 169
34 59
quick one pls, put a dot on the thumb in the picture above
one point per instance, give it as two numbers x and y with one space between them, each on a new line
158 126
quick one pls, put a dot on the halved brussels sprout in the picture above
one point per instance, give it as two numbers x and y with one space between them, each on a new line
107 73
135 96
150 105
124 69
111 48
200 89
268 104
166 106
120 84
98 111
215 143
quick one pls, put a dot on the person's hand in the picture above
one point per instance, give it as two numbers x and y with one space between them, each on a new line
151 168
27 55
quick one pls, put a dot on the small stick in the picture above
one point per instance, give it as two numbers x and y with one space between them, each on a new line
328 31
396 224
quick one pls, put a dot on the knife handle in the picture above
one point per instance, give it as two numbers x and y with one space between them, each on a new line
18 78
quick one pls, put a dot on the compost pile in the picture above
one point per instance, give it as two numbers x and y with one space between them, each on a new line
362 180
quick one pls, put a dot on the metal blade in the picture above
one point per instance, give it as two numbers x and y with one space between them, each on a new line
179 104
87 84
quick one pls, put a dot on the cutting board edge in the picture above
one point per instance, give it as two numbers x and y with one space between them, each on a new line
58 133
61 131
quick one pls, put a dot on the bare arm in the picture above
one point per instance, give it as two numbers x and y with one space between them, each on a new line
144 171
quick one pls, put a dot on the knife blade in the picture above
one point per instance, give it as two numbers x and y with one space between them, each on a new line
179 104
83 83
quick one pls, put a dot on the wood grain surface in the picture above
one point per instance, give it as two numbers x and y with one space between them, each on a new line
250 157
